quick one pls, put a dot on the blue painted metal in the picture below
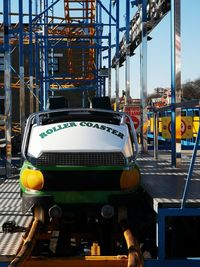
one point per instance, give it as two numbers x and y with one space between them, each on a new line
79 88
190 171
4 264
117 29
64 24
36 7
100 51
172 263
58 37
109 51
31 55
127 21
21 67
7 85
45 55
107 11
98 93
55 42
172 212
117 54
6 22
46 9
21 34
70 46
187 144
38 106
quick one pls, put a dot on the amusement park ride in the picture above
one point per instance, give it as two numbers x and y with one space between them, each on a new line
86 199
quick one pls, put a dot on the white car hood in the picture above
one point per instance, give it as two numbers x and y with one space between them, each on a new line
79 136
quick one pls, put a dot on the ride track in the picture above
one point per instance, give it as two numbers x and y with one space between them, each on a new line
39 230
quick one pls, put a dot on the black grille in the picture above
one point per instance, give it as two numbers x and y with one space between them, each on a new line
81 180
81 159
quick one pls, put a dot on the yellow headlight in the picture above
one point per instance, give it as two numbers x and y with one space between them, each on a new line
129 179
32 179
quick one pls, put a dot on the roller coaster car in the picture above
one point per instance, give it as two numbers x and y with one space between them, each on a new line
80 160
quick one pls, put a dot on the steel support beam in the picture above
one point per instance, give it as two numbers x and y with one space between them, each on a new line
7 87
98 50
45 56
21 68
44 11
176 91
109 52
31 99
37 66
143 70
127 71
117 57
105 9
155 134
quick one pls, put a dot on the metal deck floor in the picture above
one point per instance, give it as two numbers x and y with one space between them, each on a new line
165 184
10 210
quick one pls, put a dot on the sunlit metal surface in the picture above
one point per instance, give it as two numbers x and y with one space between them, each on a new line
143 77
155 135
165 184
10 210
176 81
156 10
127 65
117 56
7 87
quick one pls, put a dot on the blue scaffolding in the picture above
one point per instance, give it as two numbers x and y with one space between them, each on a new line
46 35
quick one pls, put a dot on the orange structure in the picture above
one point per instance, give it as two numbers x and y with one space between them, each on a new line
80 31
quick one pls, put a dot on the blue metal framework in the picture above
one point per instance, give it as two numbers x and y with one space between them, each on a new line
55 40
45 35
190 108
21 67
7 85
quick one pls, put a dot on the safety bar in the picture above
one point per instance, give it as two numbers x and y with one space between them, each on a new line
133 132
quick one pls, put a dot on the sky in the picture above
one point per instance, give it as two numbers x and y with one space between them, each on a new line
159 52
159 49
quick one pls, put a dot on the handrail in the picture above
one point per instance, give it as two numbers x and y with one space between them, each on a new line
135 141
191 167
185 105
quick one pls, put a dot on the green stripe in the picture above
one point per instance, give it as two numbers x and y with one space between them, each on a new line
75 197
80 168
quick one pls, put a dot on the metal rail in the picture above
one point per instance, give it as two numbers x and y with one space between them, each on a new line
27 245
190 171
156 10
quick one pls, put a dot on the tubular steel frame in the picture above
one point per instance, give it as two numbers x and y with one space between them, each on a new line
42 34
